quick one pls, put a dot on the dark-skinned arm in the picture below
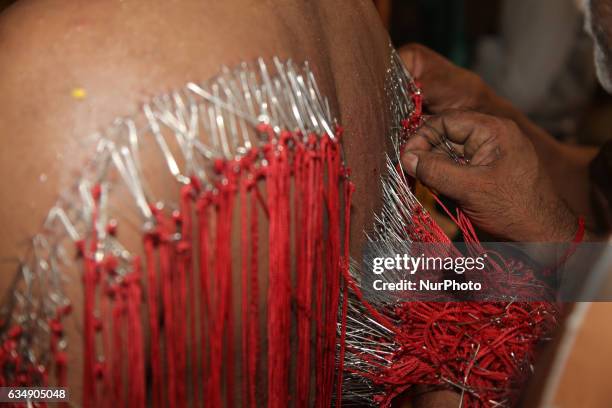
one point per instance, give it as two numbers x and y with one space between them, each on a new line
447 86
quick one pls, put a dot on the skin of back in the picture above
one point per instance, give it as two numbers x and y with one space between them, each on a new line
119 54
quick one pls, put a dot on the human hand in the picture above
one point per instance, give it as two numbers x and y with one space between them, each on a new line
502 188
445 85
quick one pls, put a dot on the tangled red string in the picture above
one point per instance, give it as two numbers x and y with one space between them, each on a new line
484 350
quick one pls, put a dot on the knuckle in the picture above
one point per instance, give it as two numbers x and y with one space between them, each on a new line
454 116
468 115
510 125
493 122
503 128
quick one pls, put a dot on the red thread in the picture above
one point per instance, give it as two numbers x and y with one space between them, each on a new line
90 279
279 287
305 184
244 288
205 308
136 369
304 172
167 282
150 243
348 193
254 304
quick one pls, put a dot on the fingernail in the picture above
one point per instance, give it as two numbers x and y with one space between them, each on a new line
410 161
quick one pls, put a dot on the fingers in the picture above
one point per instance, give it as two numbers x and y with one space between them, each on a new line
418 142
444 84
478 137
429 138
477 133
440 173
419 59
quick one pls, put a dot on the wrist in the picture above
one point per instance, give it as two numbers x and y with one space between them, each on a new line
551 221
563 229
544 246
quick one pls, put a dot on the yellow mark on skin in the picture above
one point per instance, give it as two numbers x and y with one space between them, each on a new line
79 94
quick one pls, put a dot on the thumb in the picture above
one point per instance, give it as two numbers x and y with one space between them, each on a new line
421 61
412 56
440 173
